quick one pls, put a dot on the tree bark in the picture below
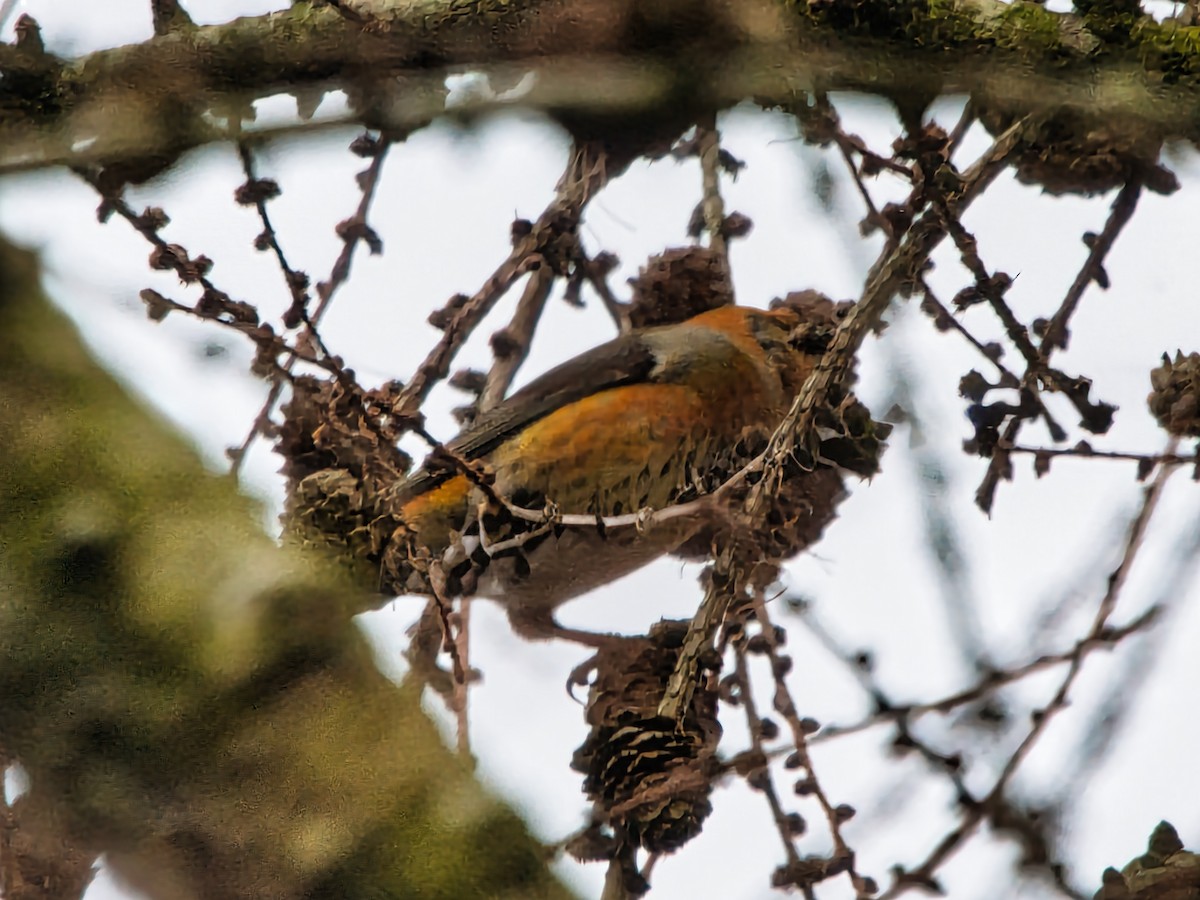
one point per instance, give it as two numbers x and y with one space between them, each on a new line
614 64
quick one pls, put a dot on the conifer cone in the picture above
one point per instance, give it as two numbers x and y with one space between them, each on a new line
648 777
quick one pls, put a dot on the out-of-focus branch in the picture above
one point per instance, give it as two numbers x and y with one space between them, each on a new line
1106 638
611 62
187 697
995 800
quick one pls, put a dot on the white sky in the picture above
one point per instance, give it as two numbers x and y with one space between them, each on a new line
446 201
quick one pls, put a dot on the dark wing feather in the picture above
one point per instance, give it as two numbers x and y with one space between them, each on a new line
625 360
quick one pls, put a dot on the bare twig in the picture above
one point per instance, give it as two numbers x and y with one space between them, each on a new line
586 173
1107 638
785 705
217 306
873 216
1084 450
257 192
511 345
822 124
597 276
353 231
708 148
464 314
1037 372
445 611
760 776
461 699
943 318
961 127
1056 333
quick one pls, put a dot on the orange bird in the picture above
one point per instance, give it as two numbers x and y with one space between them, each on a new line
640 422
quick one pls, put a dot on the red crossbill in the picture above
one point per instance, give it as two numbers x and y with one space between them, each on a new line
635 423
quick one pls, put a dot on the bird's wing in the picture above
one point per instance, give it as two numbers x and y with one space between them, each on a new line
628 359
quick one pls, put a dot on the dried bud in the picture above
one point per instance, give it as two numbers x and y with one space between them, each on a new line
157 306
365 146
256 190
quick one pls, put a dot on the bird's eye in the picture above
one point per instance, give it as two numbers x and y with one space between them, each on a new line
770 334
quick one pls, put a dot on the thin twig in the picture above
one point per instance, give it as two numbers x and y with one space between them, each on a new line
785 705
708 148
1083 450
968 251
326 290
511 344
1009 378
597 276
1037 372
945 317
295 281
873 216
511 347
1055 335
586 173
215 305
462 647
445 609
992 681
648 867
761 779
961 127
464 314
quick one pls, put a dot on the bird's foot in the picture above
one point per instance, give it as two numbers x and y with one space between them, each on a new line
540 625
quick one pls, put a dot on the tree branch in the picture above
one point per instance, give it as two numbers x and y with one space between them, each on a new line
618 62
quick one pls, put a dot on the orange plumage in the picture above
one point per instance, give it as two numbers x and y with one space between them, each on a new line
629 425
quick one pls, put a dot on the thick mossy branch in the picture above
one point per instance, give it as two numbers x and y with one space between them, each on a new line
1024 33
188 698
603 65
1166 871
